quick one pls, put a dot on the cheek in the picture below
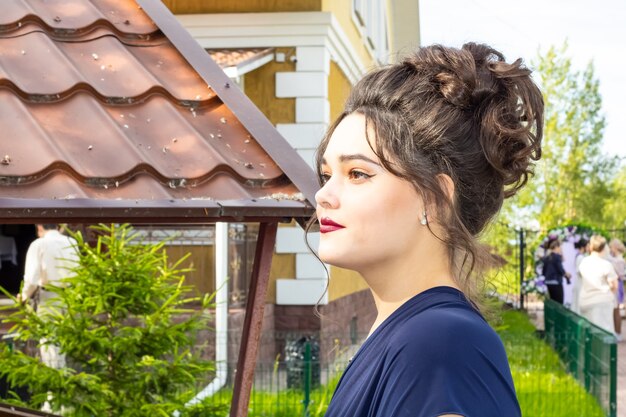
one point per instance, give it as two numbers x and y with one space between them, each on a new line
403 201
392 218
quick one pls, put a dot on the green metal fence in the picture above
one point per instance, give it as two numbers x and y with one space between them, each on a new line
588 352
278 392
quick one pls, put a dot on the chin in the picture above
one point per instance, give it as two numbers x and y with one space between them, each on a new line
328 256
336 258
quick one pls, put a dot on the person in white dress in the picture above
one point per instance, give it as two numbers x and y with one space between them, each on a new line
616 249
581 251
598 286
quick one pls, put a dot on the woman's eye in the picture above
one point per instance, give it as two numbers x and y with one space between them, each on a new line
359 175
324 178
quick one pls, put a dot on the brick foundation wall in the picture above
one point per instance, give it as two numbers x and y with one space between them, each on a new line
342 323
345 322
236 316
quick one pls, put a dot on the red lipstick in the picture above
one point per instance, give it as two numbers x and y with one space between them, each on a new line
327 225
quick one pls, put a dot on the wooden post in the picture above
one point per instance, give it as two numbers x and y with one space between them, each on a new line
253 321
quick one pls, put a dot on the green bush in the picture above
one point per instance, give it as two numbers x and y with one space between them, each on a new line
124 326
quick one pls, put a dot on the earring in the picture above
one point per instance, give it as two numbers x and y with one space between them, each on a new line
424 220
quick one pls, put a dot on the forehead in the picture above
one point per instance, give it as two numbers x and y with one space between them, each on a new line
349 137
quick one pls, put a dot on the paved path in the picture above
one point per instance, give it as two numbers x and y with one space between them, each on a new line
621 379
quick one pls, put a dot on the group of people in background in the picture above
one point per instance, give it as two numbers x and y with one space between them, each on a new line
598 284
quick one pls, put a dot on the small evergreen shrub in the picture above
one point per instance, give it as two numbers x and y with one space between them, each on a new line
122 319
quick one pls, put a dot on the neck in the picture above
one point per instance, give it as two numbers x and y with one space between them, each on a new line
394 282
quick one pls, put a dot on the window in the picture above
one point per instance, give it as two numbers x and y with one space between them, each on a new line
370 18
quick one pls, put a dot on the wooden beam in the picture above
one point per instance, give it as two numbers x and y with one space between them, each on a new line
253 321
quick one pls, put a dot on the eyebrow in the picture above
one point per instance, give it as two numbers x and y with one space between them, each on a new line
353 157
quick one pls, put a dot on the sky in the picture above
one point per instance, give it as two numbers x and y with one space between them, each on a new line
594 29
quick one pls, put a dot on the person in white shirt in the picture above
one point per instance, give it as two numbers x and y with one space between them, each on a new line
49 259
598 286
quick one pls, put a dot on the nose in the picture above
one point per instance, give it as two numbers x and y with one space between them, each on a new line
326 196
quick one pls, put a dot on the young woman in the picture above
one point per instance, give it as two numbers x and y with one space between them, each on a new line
414 168
616 250
581 252
599 285
553 271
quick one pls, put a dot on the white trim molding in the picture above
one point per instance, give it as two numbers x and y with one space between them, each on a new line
293 29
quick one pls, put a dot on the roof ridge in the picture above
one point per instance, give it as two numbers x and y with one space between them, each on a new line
58 33
83 87
142 168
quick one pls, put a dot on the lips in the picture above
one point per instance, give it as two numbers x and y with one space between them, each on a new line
327 225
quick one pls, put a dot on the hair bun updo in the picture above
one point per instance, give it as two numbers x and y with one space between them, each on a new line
502 99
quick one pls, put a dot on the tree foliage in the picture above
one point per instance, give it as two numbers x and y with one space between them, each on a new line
123 323
572 180
615 204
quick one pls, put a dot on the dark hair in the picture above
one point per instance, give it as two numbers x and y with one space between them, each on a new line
50 226
553 244
581 243
465 113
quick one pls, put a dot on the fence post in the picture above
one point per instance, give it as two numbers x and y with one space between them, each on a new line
307 377
587 367
613 377
522 247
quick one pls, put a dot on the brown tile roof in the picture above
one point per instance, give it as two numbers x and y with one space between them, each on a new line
110 110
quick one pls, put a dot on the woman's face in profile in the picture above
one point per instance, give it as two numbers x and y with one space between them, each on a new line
367 215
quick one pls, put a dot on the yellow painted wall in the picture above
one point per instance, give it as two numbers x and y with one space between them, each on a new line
342 10
260 87
338 89
241 6
283 266
404 30
344 282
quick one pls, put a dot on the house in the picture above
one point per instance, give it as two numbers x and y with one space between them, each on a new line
318 49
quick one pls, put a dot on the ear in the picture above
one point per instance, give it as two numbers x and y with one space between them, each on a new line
435 213
447 185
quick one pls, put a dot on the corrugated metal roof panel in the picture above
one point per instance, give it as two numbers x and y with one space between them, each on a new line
38 65
95 140
73 16
97 104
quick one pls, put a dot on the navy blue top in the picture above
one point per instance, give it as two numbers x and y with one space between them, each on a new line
553 271
434 355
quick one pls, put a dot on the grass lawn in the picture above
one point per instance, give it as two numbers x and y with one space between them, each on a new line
543 387
285 403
